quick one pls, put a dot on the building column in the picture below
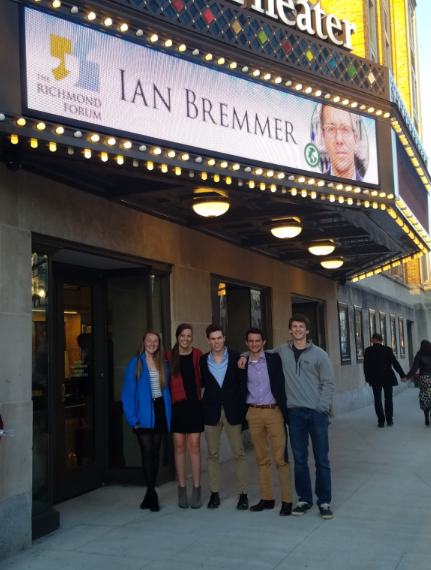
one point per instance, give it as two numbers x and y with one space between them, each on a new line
15 372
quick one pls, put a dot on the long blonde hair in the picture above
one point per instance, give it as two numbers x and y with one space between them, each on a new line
159 359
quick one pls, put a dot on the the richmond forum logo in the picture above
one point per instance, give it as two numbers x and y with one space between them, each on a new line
75 102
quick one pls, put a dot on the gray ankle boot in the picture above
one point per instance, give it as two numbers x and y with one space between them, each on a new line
196 498
183 502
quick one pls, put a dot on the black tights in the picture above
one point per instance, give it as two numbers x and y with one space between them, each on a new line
150 448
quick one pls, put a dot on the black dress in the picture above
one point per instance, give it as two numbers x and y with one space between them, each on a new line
187 415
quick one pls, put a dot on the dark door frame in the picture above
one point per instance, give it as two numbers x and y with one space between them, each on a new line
68 484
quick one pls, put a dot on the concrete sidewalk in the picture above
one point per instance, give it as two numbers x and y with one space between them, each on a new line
381 500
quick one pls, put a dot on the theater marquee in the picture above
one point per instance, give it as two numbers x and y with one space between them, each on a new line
81 74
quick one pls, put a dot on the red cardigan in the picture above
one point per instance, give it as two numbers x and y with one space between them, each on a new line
176 384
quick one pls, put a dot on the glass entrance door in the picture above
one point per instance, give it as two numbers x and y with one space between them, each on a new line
80 383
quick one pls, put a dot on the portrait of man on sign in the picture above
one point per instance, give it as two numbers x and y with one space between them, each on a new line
342 141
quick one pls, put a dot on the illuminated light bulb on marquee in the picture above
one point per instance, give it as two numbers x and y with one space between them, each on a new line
104 156
33 143
87 153
59 130
111 141
120 160
21 122
40 126
14 139
150 165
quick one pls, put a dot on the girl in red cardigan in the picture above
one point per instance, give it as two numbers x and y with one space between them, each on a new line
187 422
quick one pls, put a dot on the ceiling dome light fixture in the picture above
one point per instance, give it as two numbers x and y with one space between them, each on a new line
211 207
324 247
286 229
332 263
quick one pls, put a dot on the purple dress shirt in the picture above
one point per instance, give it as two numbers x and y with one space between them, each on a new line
258 386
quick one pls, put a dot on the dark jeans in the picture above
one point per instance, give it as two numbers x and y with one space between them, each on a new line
389 406
304 422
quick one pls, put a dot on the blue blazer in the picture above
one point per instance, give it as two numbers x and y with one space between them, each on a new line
136 396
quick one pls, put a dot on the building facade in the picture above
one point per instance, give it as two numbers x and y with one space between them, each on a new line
192 161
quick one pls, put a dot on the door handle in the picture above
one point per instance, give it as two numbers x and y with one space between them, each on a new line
63 392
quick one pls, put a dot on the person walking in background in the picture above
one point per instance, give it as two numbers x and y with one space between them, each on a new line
147 407
422 363
378 363
309 387
187 423
222 408
263 393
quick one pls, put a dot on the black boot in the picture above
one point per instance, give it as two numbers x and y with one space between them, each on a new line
427 418
154 502
147 500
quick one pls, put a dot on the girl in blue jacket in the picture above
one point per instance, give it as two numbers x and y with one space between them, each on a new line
147 407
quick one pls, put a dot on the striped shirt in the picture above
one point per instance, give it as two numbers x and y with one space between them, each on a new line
156 391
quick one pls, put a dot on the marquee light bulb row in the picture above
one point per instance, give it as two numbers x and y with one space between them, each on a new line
122 26
411 219
160 153
386 266
411 153
110 141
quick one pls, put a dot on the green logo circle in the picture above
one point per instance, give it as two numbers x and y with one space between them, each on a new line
312 155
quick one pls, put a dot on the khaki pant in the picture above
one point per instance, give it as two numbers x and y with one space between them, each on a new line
264 424
234 434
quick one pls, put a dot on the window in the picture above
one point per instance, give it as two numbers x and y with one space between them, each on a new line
372 323
344 331
236 308
372 29
394 336
382 318
359 334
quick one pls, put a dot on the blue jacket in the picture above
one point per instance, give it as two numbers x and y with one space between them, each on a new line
136 396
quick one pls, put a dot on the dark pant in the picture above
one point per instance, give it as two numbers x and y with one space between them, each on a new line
389 406
305 423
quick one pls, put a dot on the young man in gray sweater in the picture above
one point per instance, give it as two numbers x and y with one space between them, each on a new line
309 387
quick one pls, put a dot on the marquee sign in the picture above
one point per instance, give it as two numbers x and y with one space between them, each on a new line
81 74
311 19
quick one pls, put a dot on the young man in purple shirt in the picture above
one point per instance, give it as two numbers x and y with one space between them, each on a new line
264 398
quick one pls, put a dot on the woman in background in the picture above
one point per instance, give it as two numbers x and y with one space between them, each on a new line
147 407
423 363
187 417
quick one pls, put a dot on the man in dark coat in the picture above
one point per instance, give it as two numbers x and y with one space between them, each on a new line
378 363
221 404
263 396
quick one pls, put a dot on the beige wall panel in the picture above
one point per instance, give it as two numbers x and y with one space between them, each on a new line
15 274
191 301
15 357
231 261
9 207
191 249
56 210
15 452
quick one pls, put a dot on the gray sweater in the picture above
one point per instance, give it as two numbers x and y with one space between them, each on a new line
310 381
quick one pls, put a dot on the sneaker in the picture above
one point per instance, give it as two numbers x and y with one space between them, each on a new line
325 511
301 508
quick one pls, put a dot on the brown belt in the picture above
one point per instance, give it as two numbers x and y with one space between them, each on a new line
267 406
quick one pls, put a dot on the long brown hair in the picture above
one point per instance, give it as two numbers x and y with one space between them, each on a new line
159 359
175 358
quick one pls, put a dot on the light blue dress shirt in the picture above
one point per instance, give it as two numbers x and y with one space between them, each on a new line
218 370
